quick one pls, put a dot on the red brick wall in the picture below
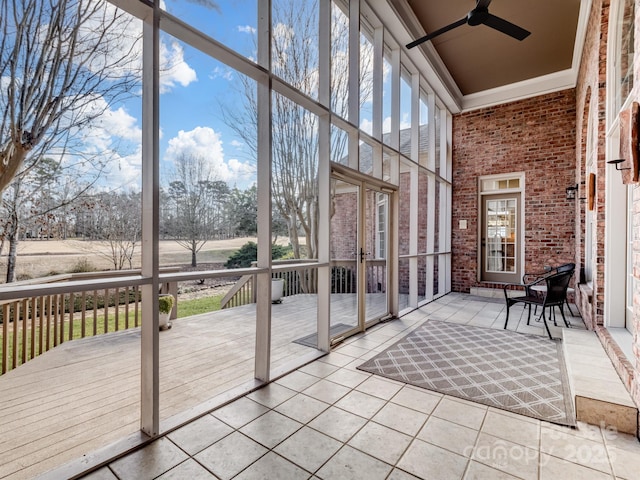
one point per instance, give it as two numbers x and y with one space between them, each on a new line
343 226
536 136
591 102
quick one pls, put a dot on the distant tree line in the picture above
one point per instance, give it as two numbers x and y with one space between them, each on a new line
37 207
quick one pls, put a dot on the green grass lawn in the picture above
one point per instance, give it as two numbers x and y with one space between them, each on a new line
186 308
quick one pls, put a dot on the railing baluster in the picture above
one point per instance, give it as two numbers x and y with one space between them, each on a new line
41 326
94 306
48 332
72 311
83 315
5 337
56 307
62 308
25 332
16 316
116 303
136 299
126 308
32 315
106 310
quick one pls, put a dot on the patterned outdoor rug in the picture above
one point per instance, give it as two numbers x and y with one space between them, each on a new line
521 373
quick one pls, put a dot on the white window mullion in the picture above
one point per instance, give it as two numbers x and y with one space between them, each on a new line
444 144
263 288
431 224
150 339
324 180
354 63
431 145
378 53
395 99
354 82
415 118
413 235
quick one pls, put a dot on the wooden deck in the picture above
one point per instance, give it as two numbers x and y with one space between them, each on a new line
85 394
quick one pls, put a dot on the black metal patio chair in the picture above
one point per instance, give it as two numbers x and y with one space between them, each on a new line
555 295
532 277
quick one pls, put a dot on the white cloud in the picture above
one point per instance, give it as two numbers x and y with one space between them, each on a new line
173 67
112 138
120 124
124 171
123 54
386 125
222 72
241 170
237 143
211 5
247 29
199 142
204 142
366 126
109 128
405 121
283 37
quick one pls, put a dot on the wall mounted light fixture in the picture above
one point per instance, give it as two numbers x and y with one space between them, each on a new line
617 163
571 192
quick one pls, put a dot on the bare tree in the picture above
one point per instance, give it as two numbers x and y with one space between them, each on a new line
35 205
120 225
197 198
294 129
61 65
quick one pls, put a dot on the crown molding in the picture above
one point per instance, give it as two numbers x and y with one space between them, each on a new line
533 87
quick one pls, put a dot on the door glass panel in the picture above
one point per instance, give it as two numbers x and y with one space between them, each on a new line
375 258
344 258
500 243
500 235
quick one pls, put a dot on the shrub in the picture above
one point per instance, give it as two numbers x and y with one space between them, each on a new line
83 265
165 303
248 253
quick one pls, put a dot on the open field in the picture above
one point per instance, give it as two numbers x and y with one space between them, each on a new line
39 258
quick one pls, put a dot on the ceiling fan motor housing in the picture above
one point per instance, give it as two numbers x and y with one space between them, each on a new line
477 16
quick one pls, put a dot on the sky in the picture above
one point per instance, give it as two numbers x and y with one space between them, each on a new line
193 87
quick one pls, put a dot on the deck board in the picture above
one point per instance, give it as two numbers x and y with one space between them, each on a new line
85 394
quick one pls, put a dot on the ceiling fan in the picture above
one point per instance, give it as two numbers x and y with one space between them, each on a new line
479 15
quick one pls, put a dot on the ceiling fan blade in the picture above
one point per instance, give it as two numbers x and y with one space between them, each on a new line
462 21
506 27
483 4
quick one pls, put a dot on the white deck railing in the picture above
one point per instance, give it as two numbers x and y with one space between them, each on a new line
39 314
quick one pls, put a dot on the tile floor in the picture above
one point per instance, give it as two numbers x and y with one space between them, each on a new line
328 420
